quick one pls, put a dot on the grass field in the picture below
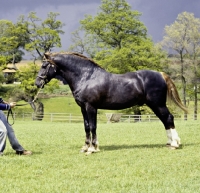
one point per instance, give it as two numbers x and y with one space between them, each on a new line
133 159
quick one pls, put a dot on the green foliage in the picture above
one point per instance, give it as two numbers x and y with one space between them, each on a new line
11 41
2 79
127 59
51 86
2 61
118 39
133 158
183 38
26 75
115 24
41 36
182 34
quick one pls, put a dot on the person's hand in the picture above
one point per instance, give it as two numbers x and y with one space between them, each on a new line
12 104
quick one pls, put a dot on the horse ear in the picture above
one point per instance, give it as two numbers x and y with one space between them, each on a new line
47 55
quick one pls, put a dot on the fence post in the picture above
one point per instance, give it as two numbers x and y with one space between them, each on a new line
51 117
70 117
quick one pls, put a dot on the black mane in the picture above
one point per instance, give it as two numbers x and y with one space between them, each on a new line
74 54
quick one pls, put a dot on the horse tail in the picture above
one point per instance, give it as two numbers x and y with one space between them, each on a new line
172 93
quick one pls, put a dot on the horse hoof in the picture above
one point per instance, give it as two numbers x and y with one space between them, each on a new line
172 147
168 145
91 149
82 151
88 153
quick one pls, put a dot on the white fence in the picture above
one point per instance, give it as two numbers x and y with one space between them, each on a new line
73 118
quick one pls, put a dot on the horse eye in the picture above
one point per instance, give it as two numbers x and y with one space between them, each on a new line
44 65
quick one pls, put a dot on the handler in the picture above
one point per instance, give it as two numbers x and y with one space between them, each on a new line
7 130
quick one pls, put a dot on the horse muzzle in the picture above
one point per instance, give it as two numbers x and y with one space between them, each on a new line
40 83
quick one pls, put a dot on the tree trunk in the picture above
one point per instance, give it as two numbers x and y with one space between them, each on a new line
195 89
39 111
183 84
195 101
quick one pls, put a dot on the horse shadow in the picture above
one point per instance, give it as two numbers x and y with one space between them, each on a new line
33 153
142 146
123 147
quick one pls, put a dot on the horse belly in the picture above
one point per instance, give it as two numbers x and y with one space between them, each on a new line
121 103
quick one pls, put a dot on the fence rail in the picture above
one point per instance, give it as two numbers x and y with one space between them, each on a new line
73 118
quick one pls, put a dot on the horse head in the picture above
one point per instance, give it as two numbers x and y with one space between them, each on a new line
47 71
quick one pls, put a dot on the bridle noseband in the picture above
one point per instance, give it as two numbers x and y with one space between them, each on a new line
50 64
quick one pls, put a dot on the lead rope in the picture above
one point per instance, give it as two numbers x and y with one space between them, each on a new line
10 110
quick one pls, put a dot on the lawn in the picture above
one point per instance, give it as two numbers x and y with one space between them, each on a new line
133 158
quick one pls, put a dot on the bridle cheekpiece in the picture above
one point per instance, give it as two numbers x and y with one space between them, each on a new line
50 64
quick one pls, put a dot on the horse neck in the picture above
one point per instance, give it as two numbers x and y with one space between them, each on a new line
75 73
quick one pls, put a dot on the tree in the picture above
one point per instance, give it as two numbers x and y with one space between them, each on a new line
11 41
119 37
194 52
84 43
183 37
41 36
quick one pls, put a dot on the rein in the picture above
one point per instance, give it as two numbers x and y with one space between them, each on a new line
51 64
10 112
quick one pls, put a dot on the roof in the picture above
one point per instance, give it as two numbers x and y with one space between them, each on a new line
9 70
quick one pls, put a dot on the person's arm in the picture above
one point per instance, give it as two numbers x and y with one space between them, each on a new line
6 106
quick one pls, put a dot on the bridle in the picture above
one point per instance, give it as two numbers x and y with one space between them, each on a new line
43 78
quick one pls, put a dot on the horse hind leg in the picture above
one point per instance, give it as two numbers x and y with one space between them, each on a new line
173 139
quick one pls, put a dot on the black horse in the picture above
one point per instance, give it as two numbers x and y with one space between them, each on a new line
94 88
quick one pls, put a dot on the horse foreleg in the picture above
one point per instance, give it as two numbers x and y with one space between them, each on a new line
94 147
92 117
87 131
87 143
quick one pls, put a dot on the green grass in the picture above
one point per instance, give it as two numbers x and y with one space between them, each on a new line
61 105
133 159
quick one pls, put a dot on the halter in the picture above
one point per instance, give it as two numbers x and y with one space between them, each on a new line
50 64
